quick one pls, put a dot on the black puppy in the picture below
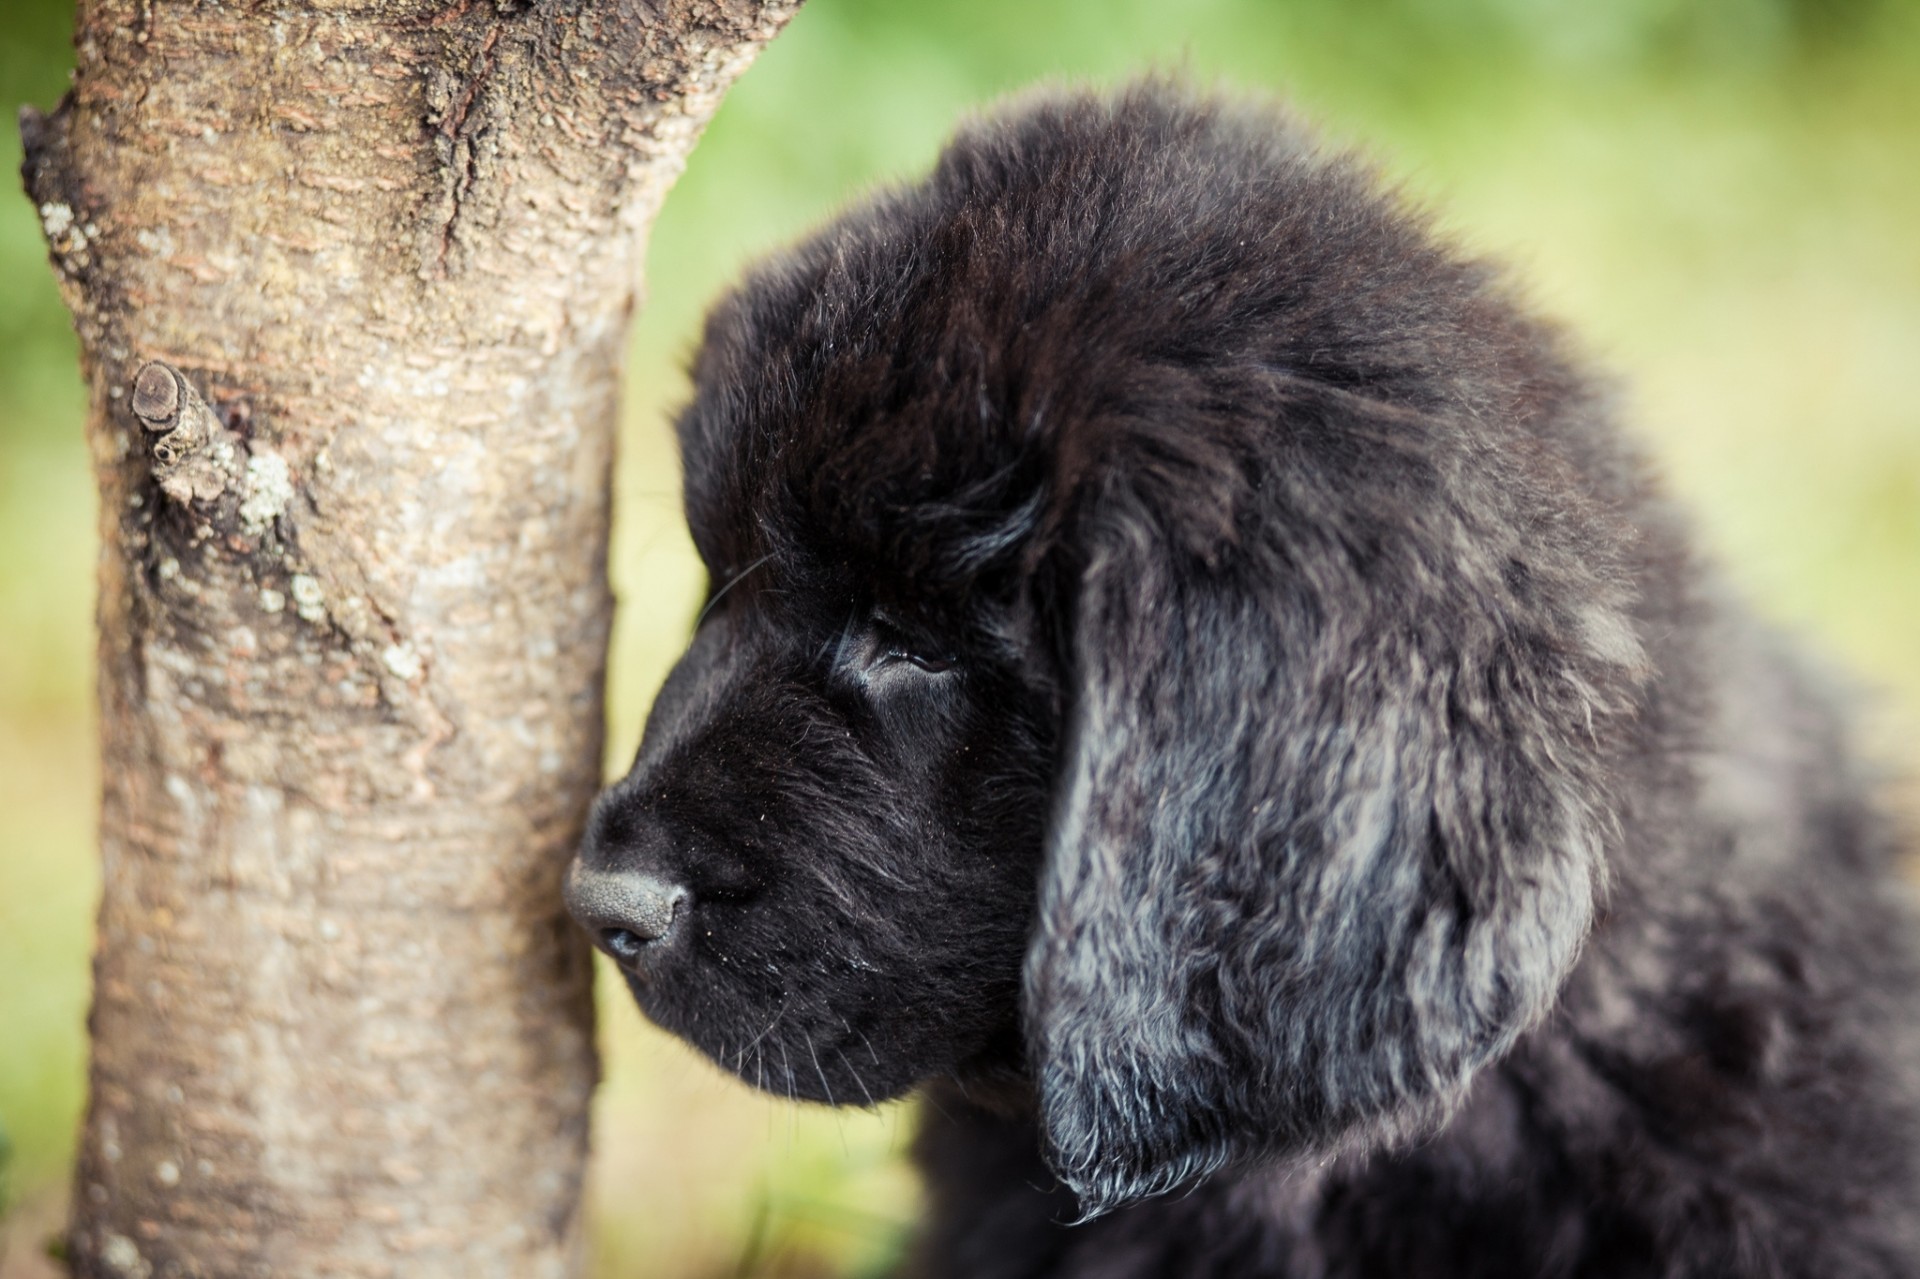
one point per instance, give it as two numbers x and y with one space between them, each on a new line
1193 678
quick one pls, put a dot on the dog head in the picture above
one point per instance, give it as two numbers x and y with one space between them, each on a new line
1163 648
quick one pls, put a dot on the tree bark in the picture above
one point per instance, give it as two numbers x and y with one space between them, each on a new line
352 279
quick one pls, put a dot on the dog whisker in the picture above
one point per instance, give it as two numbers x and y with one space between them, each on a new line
731 582
859 1083
824 1085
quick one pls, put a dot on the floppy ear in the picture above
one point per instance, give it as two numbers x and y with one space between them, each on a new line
1329 821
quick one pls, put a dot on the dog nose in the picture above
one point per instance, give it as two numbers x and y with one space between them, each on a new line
624 911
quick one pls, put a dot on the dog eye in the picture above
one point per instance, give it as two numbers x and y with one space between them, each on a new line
931 665
894 645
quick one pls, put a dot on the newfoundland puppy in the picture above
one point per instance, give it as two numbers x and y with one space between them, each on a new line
1194 682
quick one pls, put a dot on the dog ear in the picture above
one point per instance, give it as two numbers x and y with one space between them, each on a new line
1330 813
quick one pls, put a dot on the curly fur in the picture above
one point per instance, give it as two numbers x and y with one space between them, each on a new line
1194 680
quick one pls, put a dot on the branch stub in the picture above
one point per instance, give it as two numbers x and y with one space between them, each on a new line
156 397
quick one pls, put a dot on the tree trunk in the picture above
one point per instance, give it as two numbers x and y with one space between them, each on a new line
352 279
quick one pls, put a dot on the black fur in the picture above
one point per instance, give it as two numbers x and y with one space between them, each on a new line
1194 679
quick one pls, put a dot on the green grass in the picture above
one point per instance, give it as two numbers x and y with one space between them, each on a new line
1717 196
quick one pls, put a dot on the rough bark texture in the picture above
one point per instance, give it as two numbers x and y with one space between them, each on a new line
352 278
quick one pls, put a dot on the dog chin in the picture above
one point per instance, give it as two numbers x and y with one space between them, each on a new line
843 1070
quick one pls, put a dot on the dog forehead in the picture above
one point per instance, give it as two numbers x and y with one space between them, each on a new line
908 374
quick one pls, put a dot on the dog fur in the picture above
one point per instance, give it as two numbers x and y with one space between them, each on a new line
1194 681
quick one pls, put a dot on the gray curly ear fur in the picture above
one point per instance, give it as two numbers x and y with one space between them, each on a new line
1330 821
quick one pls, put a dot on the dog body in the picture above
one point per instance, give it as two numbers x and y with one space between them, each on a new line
1193 679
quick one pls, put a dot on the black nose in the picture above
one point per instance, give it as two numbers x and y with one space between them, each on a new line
625 911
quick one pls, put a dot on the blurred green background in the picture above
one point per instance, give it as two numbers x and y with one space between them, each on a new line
1721 198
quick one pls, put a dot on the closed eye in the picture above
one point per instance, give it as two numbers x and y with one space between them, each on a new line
895 645
931 665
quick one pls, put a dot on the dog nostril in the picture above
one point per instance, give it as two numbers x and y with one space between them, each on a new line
621 944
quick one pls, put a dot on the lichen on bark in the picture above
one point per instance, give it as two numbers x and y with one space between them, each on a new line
352 278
